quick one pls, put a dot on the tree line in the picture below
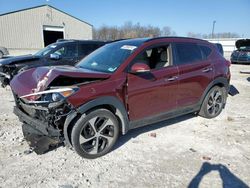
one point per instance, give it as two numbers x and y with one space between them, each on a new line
130 30
215 35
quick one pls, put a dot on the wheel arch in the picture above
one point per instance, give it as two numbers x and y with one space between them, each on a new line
113 104
219 81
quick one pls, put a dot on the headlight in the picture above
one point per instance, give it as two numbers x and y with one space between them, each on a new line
52 95
56 97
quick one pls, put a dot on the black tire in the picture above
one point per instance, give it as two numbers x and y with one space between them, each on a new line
1 54
214 102
99 126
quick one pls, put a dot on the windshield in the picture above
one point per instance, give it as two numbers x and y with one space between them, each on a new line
46 50
109 57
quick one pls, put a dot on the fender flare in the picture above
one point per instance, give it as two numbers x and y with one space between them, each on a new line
121 112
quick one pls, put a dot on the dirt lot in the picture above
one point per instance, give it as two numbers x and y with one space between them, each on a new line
187 152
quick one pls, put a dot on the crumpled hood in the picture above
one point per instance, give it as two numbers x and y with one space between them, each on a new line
18 59
242 42
38 79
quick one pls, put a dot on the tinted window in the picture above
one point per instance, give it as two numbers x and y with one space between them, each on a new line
46 50
85 49
188 53
206 51
67 51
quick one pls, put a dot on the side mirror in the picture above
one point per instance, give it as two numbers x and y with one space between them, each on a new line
140 68
54 56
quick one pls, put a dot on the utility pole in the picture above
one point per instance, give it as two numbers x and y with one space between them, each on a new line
213 28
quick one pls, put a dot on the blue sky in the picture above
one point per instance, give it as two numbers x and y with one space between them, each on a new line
181 15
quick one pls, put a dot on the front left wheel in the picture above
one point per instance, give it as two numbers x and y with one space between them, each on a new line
95 133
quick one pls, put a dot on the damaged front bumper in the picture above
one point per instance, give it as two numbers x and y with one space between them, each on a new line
42 126
40 136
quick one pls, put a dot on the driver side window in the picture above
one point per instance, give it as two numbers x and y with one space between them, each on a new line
60 51
155 57
68 51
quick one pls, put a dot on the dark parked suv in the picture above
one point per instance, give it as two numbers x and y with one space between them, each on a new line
120 86
242 54
63 52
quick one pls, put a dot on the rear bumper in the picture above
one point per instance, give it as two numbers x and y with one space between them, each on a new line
240 60
237 61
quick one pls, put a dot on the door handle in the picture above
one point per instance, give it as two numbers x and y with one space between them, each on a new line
207 69
173 78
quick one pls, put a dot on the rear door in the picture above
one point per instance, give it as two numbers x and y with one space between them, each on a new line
195 72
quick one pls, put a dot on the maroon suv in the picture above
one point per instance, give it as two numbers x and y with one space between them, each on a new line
120 86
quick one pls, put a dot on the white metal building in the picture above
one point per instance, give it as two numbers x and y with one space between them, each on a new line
228 45
31 29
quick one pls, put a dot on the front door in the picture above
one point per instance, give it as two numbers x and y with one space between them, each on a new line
154 92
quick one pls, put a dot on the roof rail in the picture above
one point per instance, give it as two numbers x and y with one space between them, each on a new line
155 38
82 40
63 40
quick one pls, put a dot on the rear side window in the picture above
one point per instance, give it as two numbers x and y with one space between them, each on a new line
206 51
220 48
188 53
85 49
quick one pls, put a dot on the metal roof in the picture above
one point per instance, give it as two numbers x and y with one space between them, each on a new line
44 6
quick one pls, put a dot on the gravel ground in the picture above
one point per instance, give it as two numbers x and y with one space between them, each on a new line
183 152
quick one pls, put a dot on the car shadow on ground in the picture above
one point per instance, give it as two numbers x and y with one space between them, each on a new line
135 132
229 180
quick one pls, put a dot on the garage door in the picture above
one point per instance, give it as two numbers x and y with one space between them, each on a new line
52 34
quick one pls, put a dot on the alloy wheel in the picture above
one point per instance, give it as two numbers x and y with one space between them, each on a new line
96 135
215 102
